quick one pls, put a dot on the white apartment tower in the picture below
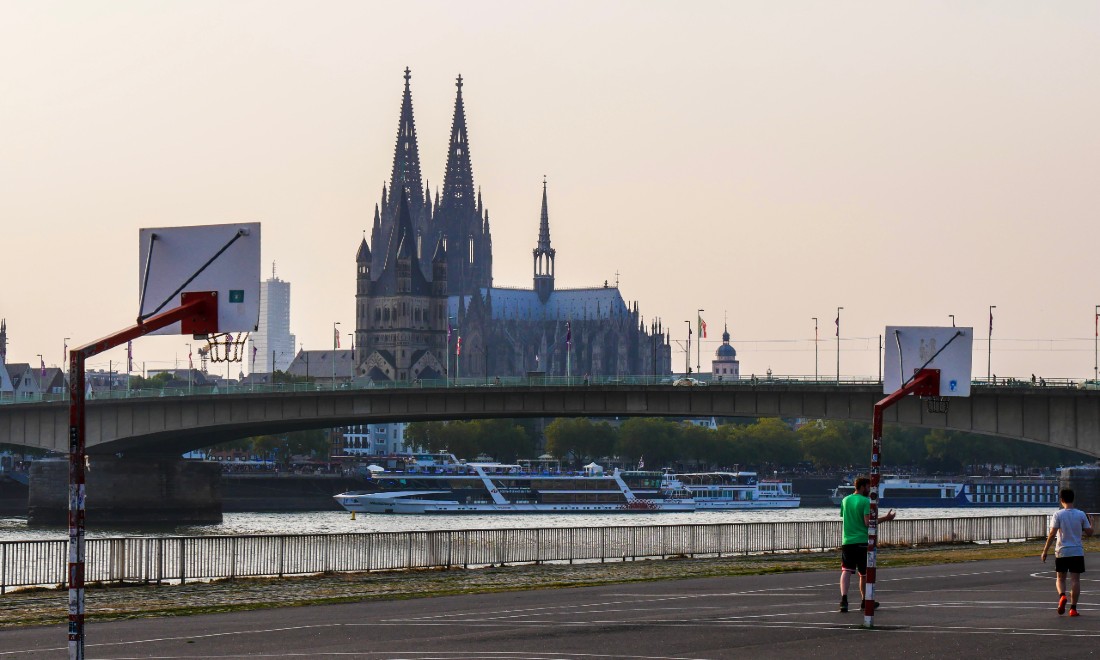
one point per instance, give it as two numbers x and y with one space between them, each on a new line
273 342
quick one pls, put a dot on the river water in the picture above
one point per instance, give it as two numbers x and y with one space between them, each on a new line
331 522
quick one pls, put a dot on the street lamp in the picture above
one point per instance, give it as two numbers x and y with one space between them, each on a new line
838 344
335 345
989 348
351 362
41 375
189 363
1095 354
815 348
687 353
952 320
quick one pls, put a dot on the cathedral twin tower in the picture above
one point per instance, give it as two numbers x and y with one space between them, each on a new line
429 281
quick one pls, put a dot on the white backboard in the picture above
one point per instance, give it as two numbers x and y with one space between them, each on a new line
178 253
908 348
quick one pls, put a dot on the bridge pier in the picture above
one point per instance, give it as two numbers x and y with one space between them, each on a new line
131 490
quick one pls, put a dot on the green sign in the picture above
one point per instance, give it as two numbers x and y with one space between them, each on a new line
236 295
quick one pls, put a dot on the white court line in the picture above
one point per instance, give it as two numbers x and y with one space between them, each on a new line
423 655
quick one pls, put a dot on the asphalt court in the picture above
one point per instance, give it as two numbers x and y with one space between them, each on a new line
1002 609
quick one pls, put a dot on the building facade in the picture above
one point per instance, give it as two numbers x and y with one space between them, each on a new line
426 304
725 365
273 342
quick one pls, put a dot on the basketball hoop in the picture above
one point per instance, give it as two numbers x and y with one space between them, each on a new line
226 347
937 404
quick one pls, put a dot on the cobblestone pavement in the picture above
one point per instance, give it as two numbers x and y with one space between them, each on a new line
49 607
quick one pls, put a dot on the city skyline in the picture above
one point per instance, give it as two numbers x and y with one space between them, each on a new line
772 163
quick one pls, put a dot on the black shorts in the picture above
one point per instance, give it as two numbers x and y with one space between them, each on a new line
854 557
1069 565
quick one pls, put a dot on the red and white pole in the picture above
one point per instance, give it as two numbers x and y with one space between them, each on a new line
77 456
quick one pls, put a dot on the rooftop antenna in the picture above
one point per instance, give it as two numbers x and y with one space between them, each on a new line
616 278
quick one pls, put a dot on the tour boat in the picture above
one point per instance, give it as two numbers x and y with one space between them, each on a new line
901 491
490 487
735 490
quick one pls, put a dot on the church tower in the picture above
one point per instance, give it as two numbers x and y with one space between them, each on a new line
461 217
544 254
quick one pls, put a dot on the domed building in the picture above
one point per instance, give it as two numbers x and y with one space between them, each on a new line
725 365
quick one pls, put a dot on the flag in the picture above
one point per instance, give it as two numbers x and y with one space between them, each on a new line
838 325
335 338
568 334
458 346
42 361
641 462
129 356
702 328
190 362
991 322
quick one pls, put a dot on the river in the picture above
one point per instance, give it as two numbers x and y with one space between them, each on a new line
331 522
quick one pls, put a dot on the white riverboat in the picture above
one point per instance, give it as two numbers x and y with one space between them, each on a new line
735 490
902 491
489 487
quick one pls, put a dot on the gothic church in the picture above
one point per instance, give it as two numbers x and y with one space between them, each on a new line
426 307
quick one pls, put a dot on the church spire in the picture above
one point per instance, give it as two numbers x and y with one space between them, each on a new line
458 181
544 254
406 154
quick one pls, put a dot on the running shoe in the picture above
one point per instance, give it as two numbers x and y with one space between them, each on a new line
1062 604
1073 611
843 603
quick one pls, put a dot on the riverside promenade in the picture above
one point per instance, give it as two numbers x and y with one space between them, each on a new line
975 609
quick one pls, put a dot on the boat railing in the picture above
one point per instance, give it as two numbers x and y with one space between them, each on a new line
180 559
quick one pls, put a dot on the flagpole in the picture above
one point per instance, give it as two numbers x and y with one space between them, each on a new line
699 343
687 353
1096 348
335 345
815 349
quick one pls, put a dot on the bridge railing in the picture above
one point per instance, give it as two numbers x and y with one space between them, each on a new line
699 380
182 558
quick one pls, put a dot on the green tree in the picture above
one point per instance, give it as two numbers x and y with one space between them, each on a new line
580 438
655 440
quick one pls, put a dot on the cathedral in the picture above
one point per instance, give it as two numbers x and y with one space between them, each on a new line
426 307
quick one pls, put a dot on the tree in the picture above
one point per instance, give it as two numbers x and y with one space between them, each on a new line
655 440
825 445
579 439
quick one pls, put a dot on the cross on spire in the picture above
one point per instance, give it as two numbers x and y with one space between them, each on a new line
408 75
459 83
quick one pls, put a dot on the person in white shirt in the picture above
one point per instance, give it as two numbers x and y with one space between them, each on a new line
1068 525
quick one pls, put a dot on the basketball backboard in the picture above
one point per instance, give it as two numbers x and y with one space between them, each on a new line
910 348
224 259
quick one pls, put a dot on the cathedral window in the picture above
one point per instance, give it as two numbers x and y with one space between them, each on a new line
471 249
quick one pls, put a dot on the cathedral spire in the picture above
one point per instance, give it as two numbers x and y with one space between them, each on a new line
458 181
544 254
406 154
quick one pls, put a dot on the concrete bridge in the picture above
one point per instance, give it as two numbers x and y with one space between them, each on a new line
1066 416
135 443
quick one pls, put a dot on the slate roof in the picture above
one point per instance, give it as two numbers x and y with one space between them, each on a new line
563 304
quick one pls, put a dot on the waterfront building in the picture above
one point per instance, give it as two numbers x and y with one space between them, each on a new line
273 341
426 304
323 366
725 365
374 439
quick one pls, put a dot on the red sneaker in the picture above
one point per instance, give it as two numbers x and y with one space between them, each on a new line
1073 612
1062 604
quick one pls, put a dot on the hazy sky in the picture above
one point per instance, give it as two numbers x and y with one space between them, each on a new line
768 161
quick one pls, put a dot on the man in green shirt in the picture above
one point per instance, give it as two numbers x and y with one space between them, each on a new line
855 510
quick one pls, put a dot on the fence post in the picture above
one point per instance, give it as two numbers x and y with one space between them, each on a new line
183 562
282 553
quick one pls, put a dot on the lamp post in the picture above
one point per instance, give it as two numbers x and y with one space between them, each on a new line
952 320
687 353
1095 340
41 375
699 343
189 367
335 345
65 353
838 344
351 362
815 348
989 347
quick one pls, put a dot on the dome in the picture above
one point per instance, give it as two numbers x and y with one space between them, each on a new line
725 351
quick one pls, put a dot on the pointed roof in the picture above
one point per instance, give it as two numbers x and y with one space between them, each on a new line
363 255
440 250
458 181
402 245
406 154
544 225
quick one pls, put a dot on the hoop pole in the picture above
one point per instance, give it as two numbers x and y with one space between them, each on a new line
201 309
926 381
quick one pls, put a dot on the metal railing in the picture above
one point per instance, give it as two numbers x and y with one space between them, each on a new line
752 381
183 558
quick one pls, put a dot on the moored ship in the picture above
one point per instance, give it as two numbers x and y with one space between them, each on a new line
901 491
490 487
736 490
